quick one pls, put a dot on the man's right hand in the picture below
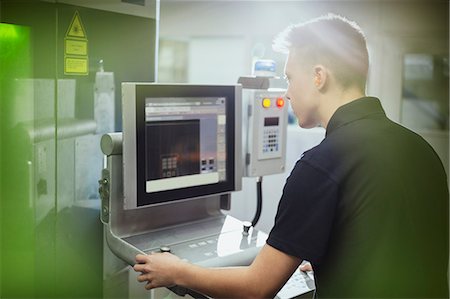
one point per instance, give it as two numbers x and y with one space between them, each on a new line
305 267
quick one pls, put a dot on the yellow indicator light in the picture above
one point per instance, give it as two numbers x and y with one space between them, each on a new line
266 103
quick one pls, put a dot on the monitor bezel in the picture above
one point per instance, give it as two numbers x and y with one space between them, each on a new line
134 95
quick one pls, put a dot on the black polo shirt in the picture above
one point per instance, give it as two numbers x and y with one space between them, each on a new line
369 208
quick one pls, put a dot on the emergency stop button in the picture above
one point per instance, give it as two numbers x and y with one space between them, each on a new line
266 102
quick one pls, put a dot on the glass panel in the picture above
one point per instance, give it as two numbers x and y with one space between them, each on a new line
425 92
60 89
16 161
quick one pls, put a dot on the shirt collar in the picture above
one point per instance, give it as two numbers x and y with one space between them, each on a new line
357 109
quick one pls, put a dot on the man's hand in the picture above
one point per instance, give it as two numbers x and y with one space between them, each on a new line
158 269
305 267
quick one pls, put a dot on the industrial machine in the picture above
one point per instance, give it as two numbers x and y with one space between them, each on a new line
170 173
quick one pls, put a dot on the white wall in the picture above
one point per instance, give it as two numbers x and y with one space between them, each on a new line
217 66
393 28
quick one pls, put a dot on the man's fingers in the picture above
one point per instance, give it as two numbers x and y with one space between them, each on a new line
142 278
141 258
139 267
306 267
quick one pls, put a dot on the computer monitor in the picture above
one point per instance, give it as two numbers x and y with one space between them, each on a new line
180 142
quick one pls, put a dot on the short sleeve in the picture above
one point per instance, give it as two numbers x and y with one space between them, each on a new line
305 213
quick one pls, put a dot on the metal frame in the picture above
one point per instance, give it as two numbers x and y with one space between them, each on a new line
129 141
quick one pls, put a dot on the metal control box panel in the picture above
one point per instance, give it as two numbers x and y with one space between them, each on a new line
215 242
266 126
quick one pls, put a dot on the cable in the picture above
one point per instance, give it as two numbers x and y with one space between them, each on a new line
258 200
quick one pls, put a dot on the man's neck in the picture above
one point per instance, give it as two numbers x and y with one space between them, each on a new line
333 100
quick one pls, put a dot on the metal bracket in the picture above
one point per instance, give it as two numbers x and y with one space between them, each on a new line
248 158
103 190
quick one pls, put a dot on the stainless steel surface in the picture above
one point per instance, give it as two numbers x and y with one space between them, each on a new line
258 162
238 138
129 143
251 82
120 248
104 101
214 242
111 144
45 129
88 166
103 191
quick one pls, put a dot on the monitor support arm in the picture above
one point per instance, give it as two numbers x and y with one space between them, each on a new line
111 145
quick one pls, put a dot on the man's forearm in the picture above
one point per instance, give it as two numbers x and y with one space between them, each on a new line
235 282
262 279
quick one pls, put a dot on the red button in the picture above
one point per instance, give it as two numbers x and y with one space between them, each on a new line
280 102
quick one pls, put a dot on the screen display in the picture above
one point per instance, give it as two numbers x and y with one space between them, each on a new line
185 142
271 121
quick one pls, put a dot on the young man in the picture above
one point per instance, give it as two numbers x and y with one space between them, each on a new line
368 206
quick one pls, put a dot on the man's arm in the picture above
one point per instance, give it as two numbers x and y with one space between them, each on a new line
262 279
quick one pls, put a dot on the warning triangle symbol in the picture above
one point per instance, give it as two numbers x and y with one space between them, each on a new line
76 28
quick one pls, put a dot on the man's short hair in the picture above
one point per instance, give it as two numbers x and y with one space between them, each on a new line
333 41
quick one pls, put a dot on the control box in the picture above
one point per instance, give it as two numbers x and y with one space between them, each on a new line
266 124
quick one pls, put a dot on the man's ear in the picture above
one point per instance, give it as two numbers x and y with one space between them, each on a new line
320 76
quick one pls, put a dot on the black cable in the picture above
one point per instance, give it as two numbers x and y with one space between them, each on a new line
181 291
258 201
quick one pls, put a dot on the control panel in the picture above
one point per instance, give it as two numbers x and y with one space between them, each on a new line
271 129
217 242
266 123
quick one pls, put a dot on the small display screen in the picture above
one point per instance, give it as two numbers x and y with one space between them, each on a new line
185 142
271 121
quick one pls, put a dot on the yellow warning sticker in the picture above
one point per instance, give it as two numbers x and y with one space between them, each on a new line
76 61
76 66
75 47
76 28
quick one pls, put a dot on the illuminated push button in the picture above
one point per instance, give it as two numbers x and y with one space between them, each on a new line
280 102
266 102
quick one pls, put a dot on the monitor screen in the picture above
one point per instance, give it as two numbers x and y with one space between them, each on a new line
185 142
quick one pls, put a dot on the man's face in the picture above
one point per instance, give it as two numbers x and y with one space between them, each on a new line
301 90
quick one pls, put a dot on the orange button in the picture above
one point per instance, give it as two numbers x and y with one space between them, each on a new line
280 102
266 103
